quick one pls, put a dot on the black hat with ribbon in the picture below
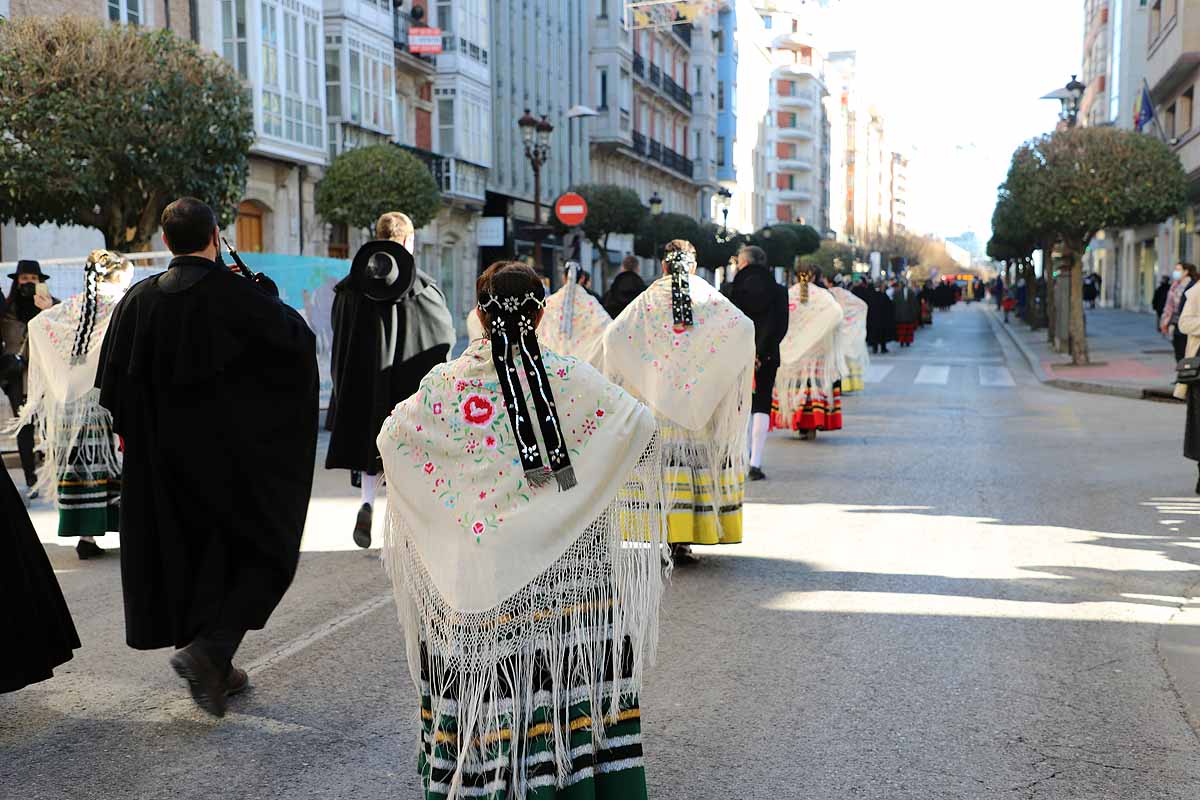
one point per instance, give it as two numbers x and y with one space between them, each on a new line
28 266
514 332
383 270
681 263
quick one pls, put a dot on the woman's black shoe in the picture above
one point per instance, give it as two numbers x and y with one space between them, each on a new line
756 474
362 527
86 550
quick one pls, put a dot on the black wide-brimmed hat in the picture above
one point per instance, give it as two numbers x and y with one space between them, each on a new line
383 270
28 266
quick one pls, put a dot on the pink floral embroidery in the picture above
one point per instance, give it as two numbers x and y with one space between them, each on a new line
562 373
483 495
478 528
420 428
429 467
460 386
437 408
478 410
490 442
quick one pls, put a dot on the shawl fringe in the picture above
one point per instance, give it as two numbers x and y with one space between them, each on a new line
605 588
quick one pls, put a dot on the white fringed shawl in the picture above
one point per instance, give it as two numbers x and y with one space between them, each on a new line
491 575
852 341
62 401
809 351
698 379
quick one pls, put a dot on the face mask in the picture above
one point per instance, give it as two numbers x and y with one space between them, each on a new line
27 289
1177 274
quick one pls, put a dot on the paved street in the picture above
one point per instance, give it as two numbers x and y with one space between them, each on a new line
980 588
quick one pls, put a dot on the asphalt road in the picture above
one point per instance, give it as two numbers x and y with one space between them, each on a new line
980 588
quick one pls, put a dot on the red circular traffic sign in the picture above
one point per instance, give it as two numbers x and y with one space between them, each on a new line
571 209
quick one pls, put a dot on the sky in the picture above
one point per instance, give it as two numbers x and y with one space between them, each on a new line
959 82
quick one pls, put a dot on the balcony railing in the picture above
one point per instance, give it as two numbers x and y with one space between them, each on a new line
672 160
639 65
639 143
402 22
676 92
455 178
656 150
655 74
684 31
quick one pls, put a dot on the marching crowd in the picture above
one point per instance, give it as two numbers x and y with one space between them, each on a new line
539 484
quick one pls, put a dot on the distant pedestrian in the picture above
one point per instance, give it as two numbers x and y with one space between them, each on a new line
38 632
525 547
1188 325
881 319
28 297
906 309
81 467
625 287
1091 289
759 296
1160 298
1184 276
585 280
212 384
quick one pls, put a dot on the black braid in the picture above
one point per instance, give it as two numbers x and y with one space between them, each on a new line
87 321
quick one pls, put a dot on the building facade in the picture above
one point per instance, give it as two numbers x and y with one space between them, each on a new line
744 67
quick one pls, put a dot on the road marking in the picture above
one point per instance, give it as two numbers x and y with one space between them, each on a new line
931 374
303 642
995 376
877 372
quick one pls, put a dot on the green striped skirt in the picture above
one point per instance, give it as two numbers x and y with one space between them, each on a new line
89 494
608 770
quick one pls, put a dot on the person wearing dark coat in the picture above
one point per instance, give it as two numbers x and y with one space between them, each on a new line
1160 298
906 310
759 296
881 320
925 297
625 288
213 387
39 635
391 326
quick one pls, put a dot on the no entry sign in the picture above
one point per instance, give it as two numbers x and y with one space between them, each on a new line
571 209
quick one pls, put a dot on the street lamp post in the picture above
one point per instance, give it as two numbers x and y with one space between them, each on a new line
656 207
1070 97
536 135
724 196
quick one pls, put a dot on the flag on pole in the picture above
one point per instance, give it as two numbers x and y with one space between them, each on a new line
1145 111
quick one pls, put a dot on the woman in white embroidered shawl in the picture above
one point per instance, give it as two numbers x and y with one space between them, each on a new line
525 547
808 393
81 470
688 352
573 322
853 338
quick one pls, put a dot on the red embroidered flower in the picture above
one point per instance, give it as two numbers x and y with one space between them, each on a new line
460 386
437 408
490 442
478 410
483 495
429 467
478 527
599 412
562 373
420 428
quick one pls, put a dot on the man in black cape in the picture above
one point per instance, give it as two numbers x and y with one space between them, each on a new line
760 297
212 384
625 288
391 326
881 319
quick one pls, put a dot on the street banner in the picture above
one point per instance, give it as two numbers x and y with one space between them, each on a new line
425 41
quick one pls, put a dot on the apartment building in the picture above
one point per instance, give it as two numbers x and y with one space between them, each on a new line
644 83
743 67
898 195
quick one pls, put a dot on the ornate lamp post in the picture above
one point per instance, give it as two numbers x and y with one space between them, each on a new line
535 134
656 207
723 198
1070 97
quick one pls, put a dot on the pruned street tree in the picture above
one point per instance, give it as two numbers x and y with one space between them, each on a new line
1013 239
364 183
1089 179
780 243
104 125
659 229
715 246
1020 187
831 258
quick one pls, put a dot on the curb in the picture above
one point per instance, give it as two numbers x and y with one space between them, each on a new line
1157 395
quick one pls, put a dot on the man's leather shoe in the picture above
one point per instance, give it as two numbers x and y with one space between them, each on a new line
203 679
85 550
236 682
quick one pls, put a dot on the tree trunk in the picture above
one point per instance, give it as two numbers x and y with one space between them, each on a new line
1076 332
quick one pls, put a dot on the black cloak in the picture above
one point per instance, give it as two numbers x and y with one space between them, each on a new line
381 351
881 318
212 384
39 635
624 290
906 306
759 296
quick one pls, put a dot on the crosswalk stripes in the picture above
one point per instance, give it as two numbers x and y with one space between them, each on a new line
988 376
933 374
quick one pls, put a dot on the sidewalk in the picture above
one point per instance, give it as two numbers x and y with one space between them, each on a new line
1129 358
